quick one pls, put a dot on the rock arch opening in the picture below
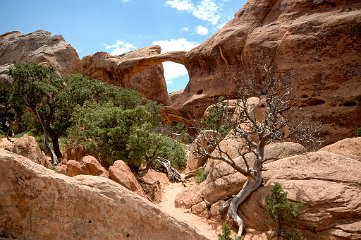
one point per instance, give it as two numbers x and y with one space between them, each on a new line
176 76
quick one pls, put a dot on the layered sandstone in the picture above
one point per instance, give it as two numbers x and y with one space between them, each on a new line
327 182
313 47
39 47
140 70
37 203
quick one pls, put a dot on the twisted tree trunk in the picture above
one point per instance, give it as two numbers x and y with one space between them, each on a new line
250 186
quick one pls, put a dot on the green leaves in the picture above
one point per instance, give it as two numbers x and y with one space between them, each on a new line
114 133
282 213
226 233
112 123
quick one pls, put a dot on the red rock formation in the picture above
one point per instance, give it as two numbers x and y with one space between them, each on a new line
28 147
326 182
88 165
314 47
121 173
37 203
39 46
140 70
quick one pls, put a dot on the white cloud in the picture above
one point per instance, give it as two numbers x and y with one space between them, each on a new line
200 30
120 47
173 70
124 1
180 44
206 10
180 5
185 29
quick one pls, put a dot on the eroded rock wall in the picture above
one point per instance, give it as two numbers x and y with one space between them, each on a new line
313 47
126 71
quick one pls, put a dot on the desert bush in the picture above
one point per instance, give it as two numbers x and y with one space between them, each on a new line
282 214
226 233
201 175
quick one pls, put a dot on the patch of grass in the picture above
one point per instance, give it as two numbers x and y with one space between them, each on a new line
201 175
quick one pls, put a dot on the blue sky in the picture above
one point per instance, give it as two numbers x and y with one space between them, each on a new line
118 26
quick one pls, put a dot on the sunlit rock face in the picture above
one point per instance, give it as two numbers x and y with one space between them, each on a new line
38 203
313 47
39 47
140 70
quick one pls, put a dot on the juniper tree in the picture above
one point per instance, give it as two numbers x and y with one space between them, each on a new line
282 214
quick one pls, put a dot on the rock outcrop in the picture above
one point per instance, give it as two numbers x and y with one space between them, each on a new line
313 47
27 146
327 182
121 173
37 203
88 165
223 181
140 70
40 47
350 147
153 184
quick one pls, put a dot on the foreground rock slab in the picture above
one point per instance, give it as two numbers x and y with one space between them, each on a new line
37 203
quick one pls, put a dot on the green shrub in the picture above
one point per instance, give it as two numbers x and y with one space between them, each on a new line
201 175
114 133
226 233
282 214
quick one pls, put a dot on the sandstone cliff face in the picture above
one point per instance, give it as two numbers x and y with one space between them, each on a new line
314 47
39 47
37 203
130 71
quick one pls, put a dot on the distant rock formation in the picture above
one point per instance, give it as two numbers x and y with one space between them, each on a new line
39 47
314 47
140 70
37 203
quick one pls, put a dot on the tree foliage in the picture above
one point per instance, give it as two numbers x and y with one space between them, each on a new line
282 214
226 233
113 133
112 122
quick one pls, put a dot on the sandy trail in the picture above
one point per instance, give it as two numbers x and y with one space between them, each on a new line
167 205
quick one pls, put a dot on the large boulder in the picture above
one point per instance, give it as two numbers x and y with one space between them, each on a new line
313 47
121 173
28 147
195 159
223 181
350 147
128 71
153 184
37 203
88 165
326 183
40 47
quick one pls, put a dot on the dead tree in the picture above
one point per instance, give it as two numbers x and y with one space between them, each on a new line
269 124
